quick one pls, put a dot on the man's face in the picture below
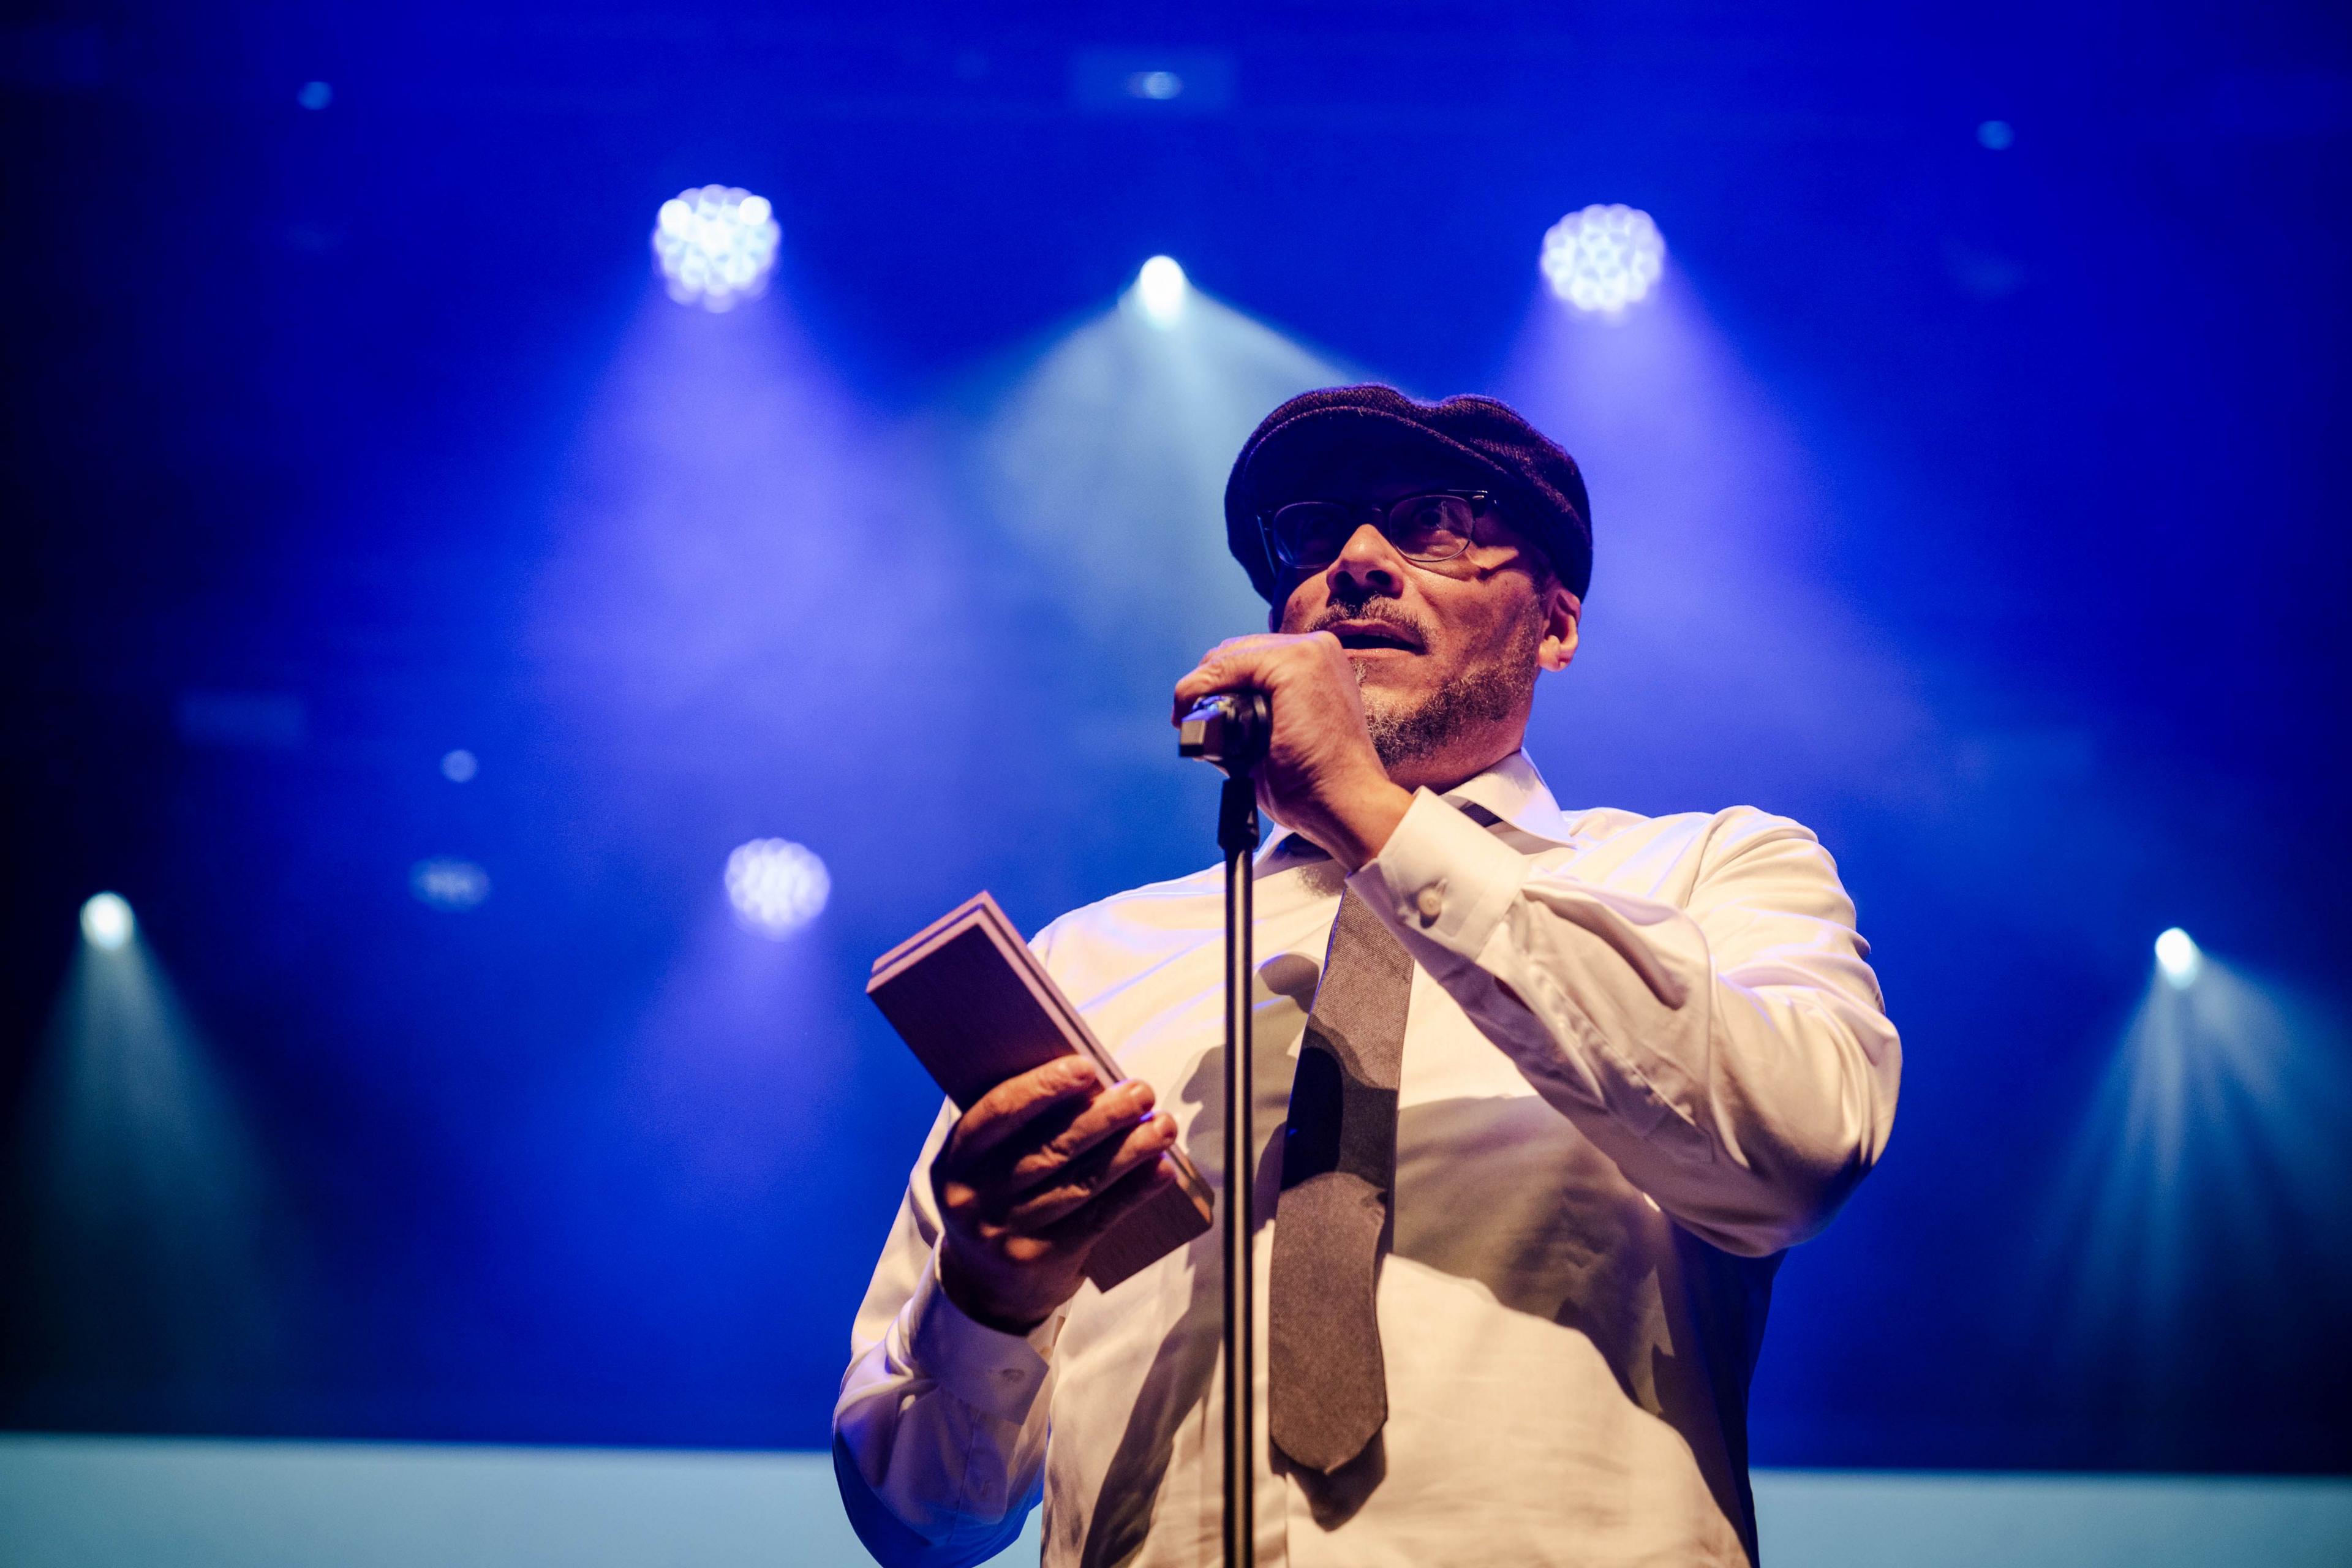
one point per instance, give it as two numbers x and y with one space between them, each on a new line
1445 654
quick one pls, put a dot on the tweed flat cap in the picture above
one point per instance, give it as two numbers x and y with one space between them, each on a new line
1539 485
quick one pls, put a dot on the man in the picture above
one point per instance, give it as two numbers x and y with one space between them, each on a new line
1552 1091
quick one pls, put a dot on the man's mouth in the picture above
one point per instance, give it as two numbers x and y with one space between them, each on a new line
1365 636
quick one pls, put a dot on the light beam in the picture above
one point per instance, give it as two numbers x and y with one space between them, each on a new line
144 1188
2216 1150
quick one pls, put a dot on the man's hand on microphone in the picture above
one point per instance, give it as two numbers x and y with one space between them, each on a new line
1321 775
1039 1168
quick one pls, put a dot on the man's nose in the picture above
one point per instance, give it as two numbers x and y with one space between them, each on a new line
1367 567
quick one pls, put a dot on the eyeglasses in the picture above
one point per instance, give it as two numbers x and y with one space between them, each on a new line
1307 535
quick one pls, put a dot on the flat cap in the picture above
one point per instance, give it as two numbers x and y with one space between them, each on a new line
1540 487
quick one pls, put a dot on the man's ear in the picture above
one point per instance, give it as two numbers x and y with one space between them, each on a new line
1561 611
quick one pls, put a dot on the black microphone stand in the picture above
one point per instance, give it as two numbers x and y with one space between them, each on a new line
1231 729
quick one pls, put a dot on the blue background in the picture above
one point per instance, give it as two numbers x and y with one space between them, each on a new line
1982 509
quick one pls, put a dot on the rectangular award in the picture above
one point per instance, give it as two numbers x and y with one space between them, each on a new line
976 1008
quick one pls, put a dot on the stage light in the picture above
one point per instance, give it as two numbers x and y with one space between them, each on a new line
1160 289
716 245
460 765
1157 85
776 886
315 95
1996 135
2177 956
1604 258
106 922
448 884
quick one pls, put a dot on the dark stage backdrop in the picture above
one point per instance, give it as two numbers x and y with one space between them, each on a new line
1972 488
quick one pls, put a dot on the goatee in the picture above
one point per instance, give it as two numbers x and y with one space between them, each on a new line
1496 691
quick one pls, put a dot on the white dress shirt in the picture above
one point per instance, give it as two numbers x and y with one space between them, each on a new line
1643 1057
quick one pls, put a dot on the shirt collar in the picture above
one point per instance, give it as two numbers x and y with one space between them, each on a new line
1510 798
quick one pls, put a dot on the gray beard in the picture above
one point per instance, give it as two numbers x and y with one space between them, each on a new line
1491 693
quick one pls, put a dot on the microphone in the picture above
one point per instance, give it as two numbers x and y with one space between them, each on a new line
1229 728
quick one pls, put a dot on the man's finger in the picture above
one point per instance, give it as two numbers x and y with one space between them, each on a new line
1223 667
1110 1114
1259 660
1113 1204
1014 1104
1086 1178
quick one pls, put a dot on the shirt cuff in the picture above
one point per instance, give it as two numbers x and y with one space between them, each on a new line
1442 877
993 1372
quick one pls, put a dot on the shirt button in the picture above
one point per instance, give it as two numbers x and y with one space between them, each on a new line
1431 902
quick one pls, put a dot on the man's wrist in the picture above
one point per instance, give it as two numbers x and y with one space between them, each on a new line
985 1364
957 1287
1365 827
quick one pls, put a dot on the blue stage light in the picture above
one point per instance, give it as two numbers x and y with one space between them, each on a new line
1604 258
716 245
315 95
460 765
106 922
776 886
1996 135
448 884
2177 956
1160 291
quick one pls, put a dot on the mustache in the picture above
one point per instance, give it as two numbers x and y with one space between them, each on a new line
1371 610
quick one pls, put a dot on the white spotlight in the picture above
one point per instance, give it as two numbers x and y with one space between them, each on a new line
2177 956
1160 289
716 245
776 886
1604 258
106 922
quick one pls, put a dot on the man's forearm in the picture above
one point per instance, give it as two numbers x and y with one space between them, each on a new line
1732 1058
939 1430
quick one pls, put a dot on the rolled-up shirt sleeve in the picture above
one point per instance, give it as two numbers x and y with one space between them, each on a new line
1724 1044
939 1432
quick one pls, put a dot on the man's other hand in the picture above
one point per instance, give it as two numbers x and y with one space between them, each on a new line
1039 1168
1321 775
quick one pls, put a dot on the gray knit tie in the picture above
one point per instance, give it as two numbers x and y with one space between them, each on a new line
1327 1386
